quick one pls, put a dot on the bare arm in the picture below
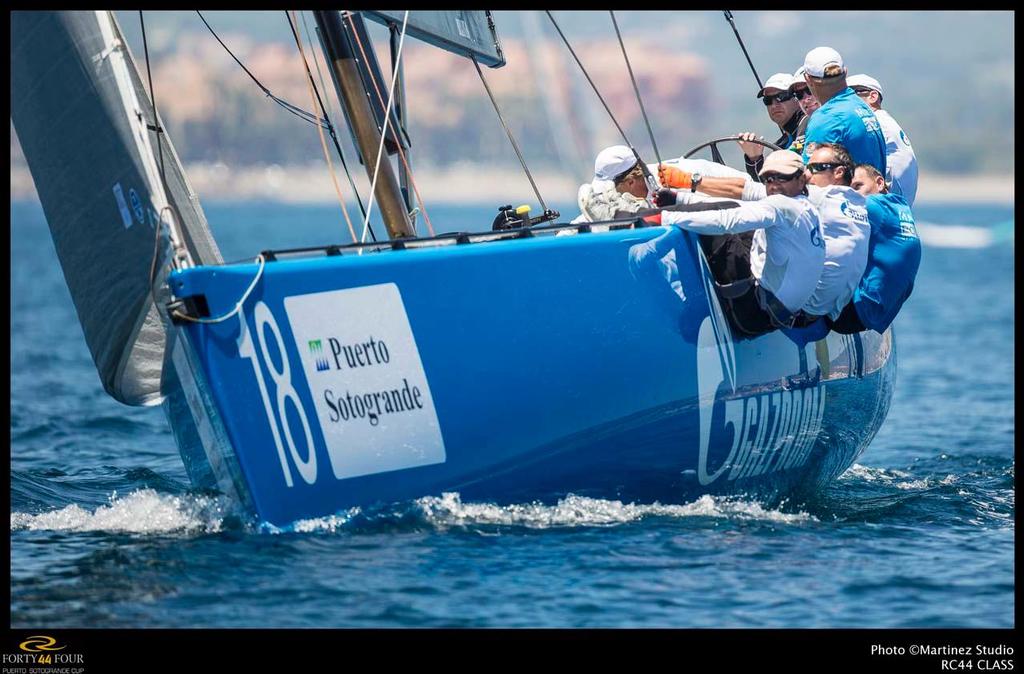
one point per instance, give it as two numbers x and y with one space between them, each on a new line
731 188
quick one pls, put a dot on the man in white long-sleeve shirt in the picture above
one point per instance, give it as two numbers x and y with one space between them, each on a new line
844 224
900 160
776 277
844 221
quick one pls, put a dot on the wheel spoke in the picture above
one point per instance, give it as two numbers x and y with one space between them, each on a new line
716 156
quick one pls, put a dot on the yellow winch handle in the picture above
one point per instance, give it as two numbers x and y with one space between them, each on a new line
522 210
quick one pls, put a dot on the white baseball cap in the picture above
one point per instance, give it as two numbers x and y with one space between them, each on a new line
798 78
820 58
865 81
611 162
780 81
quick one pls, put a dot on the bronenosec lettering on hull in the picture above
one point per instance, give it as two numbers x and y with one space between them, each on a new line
770 431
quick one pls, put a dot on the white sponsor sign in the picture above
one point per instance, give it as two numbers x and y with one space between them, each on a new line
370 393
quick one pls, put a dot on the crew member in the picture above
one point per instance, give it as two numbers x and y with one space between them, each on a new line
901 163
843 117
843 215
618 187
844 221
894 256
775 277
783 110
808 104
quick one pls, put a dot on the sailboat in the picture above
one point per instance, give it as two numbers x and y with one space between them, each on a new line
503 365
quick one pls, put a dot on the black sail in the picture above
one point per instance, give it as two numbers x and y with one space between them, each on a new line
83 120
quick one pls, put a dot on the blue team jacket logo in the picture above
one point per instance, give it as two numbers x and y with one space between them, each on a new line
868 118
907 227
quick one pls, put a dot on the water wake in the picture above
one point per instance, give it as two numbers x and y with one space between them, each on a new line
895 478
448 510
142 512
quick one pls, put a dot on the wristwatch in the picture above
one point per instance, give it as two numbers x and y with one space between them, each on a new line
695 179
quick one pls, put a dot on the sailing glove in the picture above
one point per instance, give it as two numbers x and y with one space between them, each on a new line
664 197
670 176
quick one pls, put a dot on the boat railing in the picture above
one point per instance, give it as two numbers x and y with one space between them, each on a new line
448 238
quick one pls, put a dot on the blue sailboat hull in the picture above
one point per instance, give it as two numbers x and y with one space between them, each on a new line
597 364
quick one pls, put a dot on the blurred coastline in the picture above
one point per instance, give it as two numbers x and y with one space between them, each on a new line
470 183
237 145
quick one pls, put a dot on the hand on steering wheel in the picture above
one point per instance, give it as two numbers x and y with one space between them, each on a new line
748 143
744 140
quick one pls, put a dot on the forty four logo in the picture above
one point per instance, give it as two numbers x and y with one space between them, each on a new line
40 643
316 349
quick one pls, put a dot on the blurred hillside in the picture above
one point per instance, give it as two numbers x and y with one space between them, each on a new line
956 104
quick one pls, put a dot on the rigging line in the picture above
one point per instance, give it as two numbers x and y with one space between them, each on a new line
515 145
238 306
320 132
330 111
160 152
163 175
152 98
652 183
405 162
398 144
387 121
295 110
636 89
587 75
728 17
316 62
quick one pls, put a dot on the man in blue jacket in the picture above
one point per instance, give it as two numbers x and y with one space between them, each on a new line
843 118
894 255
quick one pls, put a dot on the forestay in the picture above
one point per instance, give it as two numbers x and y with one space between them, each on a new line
82 117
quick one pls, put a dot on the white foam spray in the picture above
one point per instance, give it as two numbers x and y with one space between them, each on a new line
144 512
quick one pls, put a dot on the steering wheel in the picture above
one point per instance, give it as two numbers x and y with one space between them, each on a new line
716 156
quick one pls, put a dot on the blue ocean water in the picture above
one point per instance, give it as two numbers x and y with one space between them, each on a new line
106 531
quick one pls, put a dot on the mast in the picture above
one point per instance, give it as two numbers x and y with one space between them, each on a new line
397 71
354 97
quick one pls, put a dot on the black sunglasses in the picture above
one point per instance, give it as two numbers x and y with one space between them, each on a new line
781 98
801 93
818 167
860 91
776 178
